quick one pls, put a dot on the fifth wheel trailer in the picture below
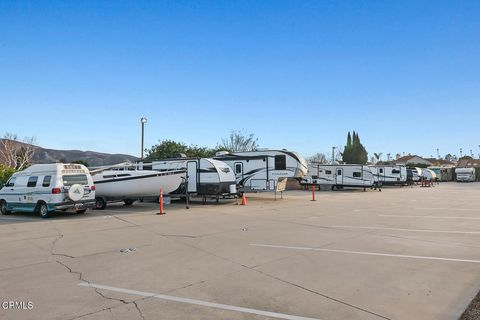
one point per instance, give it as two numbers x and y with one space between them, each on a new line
264 169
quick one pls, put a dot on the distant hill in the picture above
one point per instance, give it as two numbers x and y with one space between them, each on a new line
43 155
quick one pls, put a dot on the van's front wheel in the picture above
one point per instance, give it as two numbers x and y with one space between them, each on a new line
100 203
42 209
3 208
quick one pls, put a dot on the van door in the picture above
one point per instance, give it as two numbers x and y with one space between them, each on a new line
339 180
192 176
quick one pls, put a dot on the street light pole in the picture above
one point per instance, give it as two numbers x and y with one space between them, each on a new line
143 120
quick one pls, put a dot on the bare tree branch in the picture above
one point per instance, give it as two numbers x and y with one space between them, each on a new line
17 154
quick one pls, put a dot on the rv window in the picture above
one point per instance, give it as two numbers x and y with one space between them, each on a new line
46 181
75 179
357 174
280 162
32 182
147 167
328 171
339 172
11 182
238 168
395 171
381 170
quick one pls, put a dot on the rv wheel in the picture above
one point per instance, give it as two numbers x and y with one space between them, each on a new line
128 202
100 203
3 208
42 209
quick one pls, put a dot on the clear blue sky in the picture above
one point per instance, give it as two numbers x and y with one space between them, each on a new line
298 74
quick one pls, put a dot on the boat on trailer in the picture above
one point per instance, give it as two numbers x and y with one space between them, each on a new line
124 182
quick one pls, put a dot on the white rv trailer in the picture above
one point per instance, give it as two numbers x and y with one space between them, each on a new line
264 169
340 175
443 173
465 174
206 177
413 175
124 182
389 174
44 188
428 174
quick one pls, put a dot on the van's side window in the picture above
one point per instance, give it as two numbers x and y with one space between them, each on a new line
281 162
11 182
46 181
238 168
32 182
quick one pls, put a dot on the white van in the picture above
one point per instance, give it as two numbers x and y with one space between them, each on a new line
44 188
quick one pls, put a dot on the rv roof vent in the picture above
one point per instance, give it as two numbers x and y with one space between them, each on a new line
221 153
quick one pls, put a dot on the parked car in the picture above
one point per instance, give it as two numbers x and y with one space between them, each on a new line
45 188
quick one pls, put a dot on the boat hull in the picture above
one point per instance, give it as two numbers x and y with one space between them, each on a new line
138 185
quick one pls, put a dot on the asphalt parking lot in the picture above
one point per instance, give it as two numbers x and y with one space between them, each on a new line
403 253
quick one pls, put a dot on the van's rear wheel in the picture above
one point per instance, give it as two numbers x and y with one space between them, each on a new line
100 203
42 209
3 208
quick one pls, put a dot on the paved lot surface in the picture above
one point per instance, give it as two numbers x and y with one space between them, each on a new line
403 253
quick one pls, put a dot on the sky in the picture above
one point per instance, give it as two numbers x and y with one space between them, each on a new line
297 74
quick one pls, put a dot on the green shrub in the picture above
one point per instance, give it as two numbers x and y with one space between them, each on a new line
5 173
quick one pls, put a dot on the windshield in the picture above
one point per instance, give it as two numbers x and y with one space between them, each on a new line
75 179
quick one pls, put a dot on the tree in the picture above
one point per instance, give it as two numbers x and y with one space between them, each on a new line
318 158
168 149
354 151
450 157
16 154
5 173
239 141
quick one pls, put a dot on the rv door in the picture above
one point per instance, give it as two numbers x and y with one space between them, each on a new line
238 169
192 176
339 180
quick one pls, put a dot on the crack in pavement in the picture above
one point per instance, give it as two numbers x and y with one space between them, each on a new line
81 278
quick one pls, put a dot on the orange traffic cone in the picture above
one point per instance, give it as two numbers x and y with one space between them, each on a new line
244 200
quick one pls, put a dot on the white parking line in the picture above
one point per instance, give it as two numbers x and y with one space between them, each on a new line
453 209
431 217
366 253
198 302
408 230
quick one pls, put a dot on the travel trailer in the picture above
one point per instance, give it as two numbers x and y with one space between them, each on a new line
339 175
465 174
45 188
413 175
264 169
126 183
206 177
443 173
389 174
429 175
